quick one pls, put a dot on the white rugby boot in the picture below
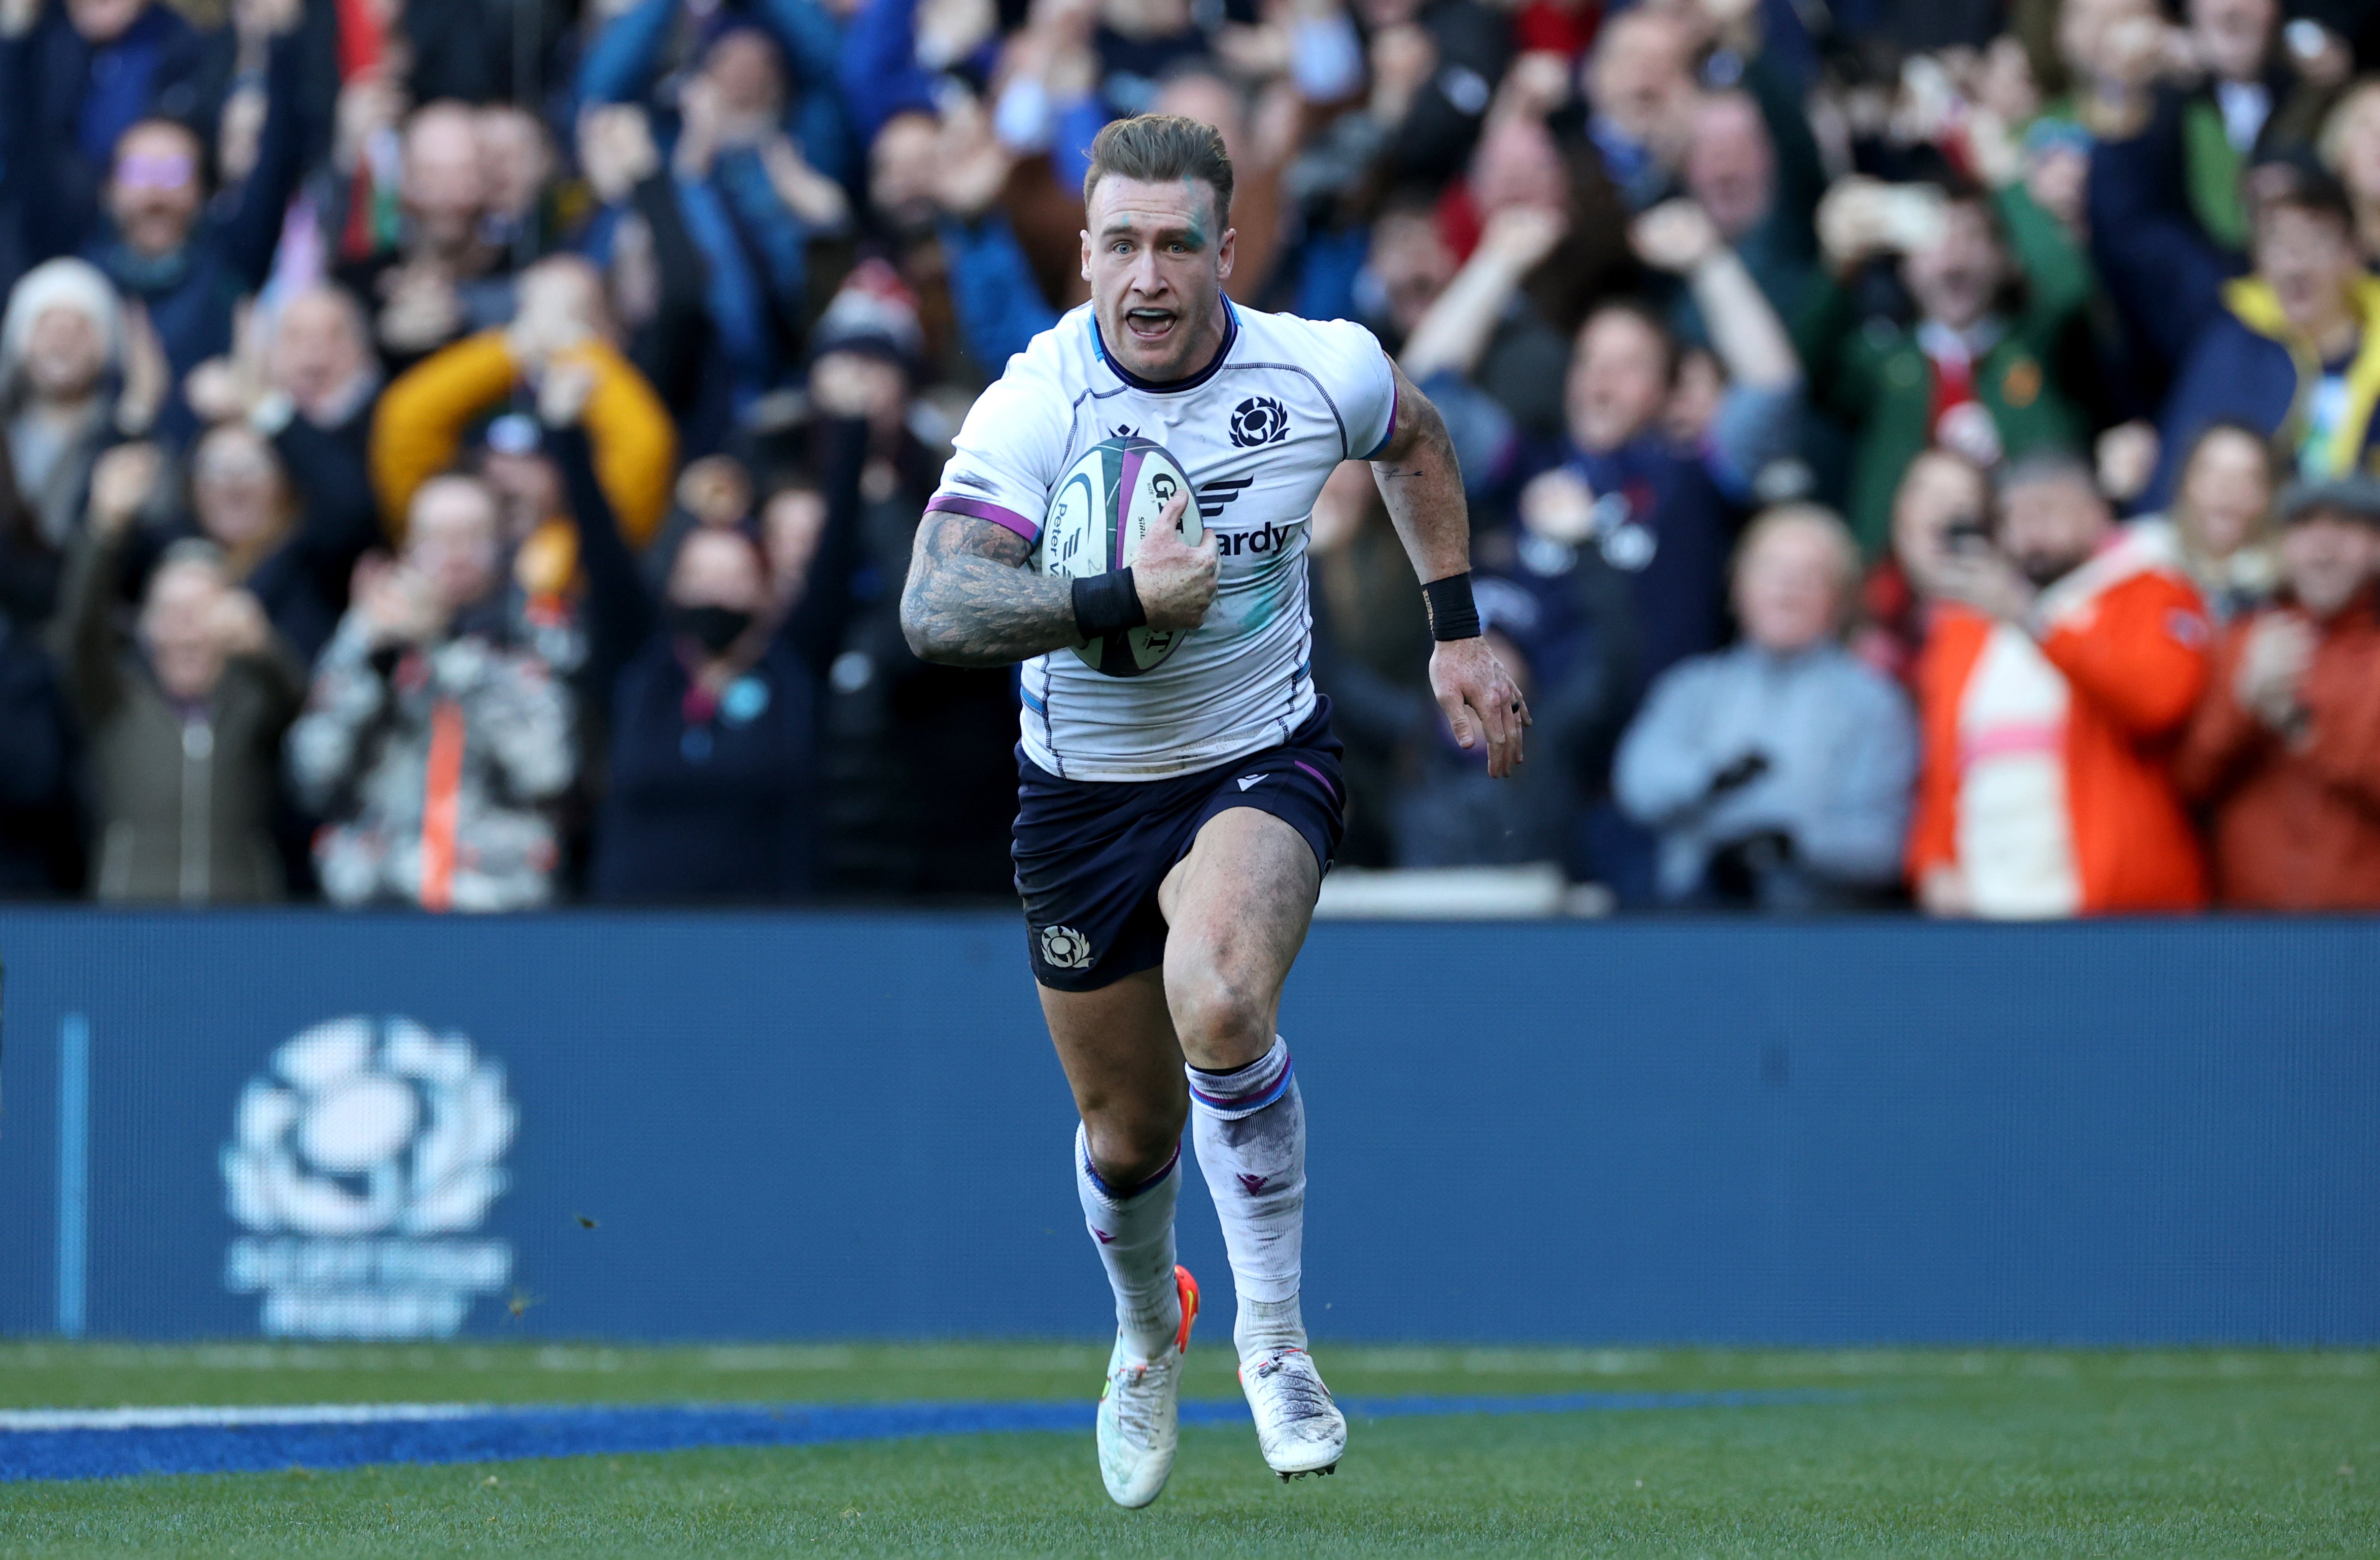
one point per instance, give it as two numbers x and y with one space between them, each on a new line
1299 1429
1140 1412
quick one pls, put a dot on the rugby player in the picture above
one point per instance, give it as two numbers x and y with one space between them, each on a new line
1173 828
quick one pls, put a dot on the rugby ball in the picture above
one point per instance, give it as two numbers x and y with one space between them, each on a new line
1105 504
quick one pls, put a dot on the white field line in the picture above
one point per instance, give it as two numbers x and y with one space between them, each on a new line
200 1416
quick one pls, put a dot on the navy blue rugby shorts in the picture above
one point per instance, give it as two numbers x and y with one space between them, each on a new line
1090 853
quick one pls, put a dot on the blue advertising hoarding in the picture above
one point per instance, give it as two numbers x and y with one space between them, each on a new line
748 1126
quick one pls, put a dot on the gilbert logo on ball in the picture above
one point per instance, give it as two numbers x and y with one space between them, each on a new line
1106 505
361 1161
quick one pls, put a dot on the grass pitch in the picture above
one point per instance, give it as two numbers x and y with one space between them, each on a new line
1935 1454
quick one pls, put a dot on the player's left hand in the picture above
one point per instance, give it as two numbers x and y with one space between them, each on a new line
1479 699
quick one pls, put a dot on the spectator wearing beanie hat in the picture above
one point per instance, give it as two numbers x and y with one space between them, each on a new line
61 369
2285 750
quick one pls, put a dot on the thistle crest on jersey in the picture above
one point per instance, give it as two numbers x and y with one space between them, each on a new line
1108 501
1259 419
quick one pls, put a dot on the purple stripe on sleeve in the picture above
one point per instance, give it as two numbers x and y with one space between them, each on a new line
978 509
1396 396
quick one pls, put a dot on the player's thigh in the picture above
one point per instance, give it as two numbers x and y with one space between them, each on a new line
1236 910
1124 1066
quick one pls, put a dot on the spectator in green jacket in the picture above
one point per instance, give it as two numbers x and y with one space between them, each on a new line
1997 286
184 716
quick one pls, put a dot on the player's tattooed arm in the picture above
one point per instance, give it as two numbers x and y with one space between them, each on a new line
971 602
1422 483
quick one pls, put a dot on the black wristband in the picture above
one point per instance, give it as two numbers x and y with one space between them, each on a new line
1452 614
1105 603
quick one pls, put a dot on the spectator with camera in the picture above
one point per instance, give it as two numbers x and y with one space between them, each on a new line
184 719
769 67
2284 752
1942 498
2064 660
1997 284
434 743
1777 772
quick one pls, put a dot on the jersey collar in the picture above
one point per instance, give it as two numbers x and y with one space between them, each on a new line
1170 387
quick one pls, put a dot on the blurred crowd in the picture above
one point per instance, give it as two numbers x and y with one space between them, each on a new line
465 452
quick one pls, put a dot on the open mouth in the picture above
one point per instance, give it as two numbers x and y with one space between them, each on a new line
1150 325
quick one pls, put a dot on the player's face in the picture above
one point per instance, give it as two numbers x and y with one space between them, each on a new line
1156 263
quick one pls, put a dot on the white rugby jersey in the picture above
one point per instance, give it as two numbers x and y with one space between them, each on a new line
1258 432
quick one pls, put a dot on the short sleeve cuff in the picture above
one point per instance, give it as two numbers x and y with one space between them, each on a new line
983 509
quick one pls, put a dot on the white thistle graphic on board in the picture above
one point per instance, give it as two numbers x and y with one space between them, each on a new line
364 1141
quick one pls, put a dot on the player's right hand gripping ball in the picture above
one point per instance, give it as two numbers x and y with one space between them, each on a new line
1106 504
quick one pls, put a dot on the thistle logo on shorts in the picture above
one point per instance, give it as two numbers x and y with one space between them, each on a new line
1062 947
1259 419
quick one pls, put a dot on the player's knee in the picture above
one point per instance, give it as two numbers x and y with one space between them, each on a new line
1222 1022
1127 1148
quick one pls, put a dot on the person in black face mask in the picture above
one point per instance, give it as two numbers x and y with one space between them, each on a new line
709 694
711 625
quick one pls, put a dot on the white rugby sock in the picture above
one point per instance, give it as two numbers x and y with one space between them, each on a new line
1249 1125
1134 1233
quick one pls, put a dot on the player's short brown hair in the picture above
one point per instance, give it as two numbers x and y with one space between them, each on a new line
1153 147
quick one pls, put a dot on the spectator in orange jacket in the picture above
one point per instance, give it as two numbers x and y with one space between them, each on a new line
2285 748
2066 657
